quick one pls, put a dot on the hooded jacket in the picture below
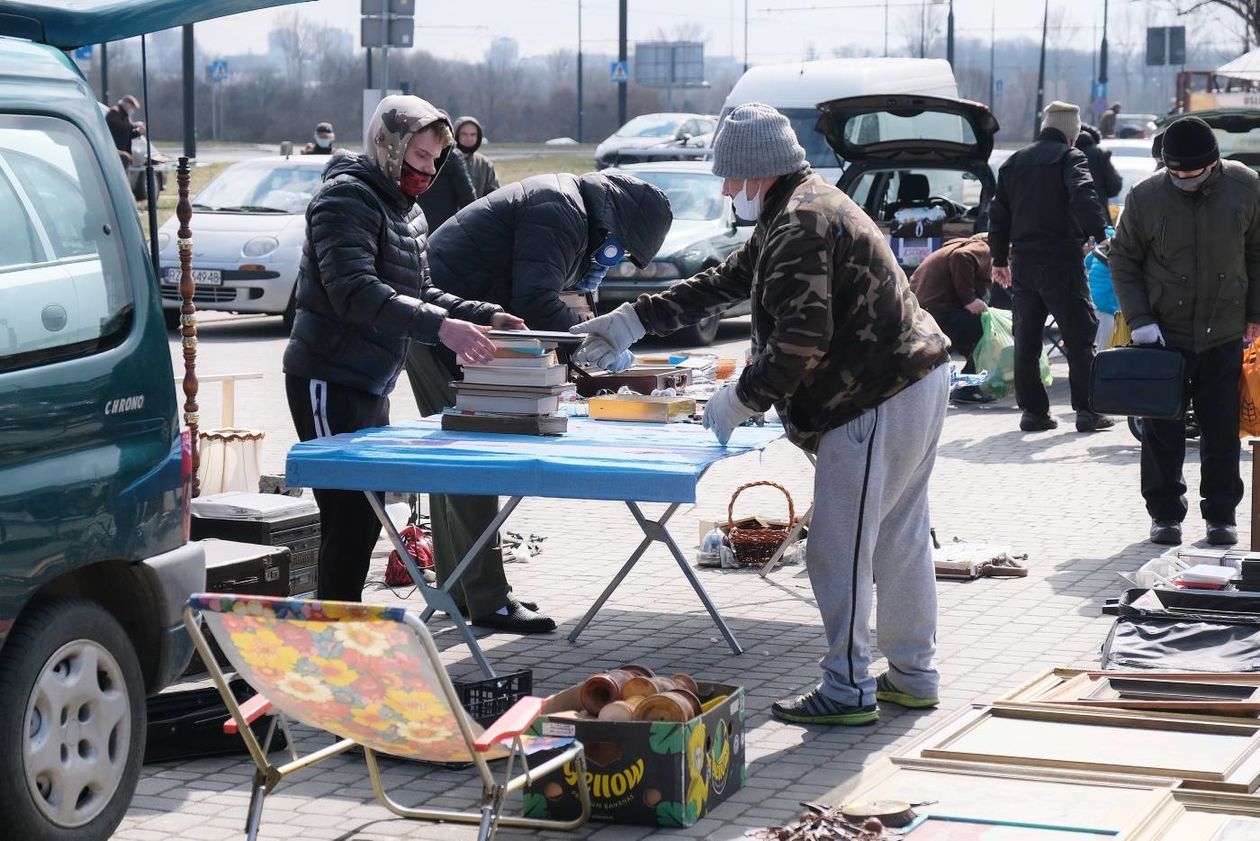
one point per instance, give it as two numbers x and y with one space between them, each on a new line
480 168
1190 262
525 243
363 286
450 191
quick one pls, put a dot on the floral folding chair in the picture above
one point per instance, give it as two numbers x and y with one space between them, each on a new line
371 675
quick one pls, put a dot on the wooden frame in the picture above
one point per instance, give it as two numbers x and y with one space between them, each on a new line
1004 793
1070 689
1239 773
1162 823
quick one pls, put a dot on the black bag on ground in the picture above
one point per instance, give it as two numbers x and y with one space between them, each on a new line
186 721
1141 382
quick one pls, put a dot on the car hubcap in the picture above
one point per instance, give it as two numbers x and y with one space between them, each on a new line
76 733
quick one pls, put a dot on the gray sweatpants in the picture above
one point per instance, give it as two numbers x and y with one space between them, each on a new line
870 529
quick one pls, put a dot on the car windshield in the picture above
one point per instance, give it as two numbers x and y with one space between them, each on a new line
883 192
817 151
650 125
261 188
693 196
1238 142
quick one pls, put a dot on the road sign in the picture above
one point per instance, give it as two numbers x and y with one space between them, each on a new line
219 70
618 72
83 53
1165 45
388 32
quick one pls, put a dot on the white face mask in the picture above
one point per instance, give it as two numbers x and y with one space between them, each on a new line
748 209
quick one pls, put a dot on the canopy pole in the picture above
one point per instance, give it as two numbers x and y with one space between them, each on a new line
150 177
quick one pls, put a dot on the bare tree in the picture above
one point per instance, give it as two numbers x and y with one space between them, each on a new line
1243 12
920 30
295 38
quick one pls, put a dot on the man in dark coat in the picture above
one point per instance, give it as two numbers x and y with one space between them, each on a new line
468 137
521 247
450 192
363 294
1045 209
121 127
1185 262
1107 182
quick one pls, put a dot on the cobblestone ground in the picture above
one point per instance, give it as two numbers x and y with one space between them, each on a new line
1070 501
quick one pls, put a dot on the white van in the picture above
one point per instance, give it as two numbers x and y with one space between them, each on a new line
797 88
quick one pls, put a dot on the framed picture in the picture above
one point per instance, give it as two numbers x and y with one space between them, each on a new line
1001 794
1221 756
951 828
1195 694
1183 814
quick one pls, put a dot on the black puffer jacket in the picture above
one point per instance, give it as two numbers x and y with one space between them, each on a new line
1107 182
363 290
1046 205
523 244
450 191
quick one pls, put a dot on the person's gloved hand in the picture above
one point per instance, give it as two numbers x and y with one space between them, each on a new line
1147 334
608 338
724 412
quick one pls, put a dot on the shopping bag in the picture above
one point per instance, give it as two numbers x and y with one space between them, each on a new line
995 353
1249 392
1121 335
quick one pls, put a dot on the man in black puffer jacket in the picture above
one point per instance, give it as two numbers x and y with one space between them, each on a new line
520 247
363 293
1107 182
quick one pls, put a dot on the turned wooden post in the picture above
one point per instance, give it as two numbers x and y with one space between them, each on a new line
188 316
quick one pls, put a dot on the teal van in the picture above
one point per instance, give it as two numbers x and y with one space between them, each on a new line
95 470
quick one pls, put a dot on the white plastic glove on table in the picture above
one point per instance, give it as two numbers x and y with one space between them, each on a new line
608 339
724 412
1148 334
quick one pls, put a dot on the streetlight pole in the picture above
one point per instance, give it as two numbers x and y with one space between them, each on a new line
579 74
993 56
885 28
622 14
1102 59
949 36
745 36
1041 73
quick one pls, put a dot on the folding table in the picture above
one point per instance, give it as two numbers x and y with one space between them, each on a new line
597 460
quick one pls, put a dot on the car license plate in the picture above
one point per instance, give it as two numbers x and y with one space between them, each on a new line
201 277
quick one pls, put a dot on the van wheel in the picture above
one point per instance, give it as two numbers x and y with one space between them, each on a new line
171 319
72 723
700 334
1135 427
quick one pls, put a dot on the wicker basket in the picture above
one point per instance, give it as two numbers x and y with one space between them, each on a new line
755 546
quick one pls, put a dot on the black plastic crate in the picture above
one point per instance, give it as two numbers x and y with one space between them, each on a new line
486 700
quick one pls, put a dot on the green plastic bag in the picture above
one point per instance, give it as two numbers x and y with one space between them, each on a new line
995 354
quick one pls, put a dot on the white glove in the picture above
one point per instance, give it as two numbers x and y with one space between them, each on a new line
608 338
724 412
1147 334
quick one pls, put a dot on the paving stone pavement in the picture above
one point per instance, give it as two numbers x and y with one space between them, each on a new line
1069 500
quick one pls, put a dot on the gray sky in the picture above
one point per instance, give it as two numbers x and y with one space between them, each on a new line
779 30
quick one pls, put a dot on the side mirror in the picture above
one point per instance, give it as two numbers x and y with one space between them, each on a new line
286 148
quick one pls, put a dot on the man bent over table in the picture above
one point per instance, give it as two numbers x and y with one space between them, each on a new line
857 372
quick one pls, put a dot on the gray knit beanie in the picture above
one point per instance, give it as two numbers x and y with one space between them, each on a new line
1063 117
756 141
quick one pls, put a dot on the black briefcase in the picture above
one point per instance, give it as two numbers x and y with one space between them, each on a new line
1142 382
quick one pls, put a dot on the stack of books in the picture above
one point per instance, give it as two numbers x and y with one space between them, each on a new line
518 392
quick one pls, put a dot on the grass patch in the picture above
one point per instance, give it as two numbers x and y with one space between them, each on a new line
514 169
168 198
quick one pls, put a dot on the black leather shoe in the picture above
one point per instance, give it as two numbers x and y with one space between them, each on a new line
518 620
1092 422
971 394
463 610
1030 422
1222 534
1166 532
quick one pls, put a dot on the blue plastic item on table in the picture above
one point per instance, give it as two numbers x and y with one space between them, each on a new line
644 462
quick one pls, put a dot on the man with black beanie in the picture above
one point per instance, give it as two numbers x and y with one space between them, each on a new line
1185 261
1046 206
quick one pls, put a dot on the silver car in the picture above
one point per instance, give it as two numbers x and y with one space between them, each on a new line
248 227
657 137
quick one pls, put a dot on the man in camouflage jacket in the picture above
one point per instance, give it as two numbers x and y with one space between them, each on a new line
856 370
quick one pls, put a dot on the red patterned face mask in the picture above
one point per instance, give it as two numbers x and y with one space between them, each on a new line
414 182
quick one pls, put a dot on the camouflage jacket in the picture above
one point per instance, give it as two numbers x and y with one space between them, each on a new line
836 330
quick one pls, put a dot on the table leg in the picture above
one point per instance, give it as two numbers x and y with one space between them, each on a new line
655 531
435 598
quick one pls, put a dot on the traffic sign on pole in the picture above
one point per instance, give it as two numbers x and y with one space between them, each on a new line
619 72
219 70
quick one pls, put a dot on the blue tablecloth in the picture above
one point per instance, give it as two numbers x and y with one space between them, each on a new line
643 462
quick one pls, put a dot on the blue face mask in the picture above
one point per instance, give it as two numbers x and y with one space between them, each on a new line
609 254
